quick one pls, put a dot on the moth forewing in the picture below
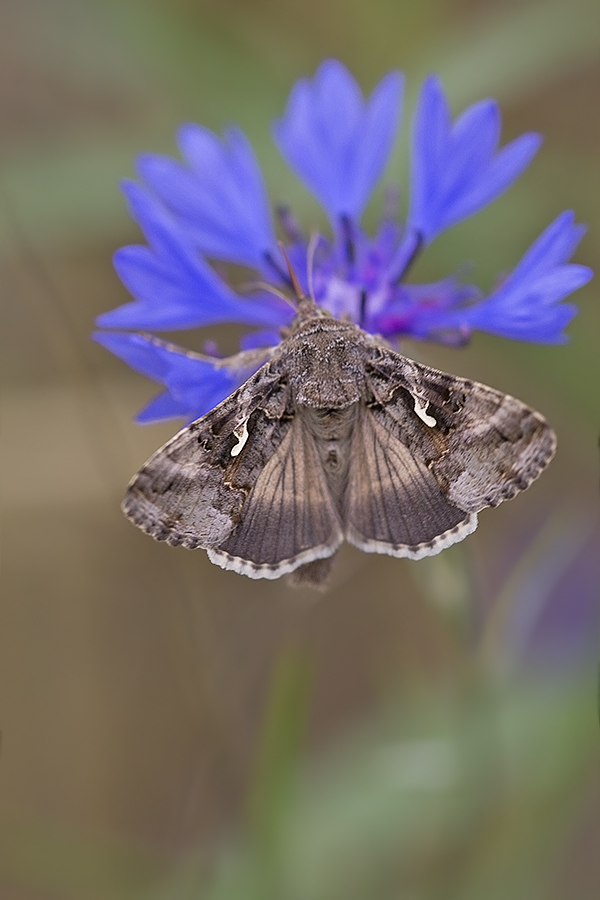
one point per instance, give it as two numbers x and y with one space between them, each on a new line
177 497
191 491
485 447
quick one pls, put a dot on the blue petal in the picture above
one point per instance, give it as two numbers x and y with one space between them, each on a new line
219 197
555 246
501 171
172 285
163 406
335 142
417 309
456 169
136 350
195 384
256 339
527 305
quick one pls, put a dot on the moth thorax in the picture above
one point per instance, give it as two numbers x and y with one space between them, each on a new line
328 394
327 371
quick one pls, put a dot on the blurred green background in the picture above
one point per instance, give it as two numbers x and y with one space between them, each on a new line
423 731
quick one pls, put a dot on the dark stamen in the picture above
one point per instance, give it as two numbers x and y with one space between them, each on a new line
411 259
289 223
277 268
362 307
348 239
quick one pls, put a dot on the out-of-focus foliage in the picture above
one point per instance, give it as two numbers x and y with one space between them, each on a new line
423 730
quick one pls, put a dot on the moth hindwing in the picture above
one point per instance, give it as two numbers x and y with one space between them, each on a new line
337 437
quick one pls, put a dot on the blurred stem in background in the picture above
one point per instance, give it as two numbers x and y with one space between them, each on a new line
278 766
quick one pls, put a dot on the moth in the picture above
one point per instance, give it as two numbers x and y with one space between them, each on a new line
337 437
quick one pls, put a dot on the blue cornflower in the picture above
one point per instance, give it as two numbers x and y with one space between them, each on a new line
215 205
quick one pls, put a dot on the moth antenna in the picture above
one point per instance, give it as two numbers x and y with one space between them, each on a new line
292 274
310 262
265 286
306 305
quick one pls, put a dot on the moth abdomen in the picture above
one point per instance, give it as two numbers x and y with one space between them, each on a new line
332 460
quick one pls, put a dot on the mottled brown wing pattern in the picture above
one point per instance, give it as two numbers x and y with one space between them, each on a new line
417 454
191 491
289 518
248 488
484 447
394 504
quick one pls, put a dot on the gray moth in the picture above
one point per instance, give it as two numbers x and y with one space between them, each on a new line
337 437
